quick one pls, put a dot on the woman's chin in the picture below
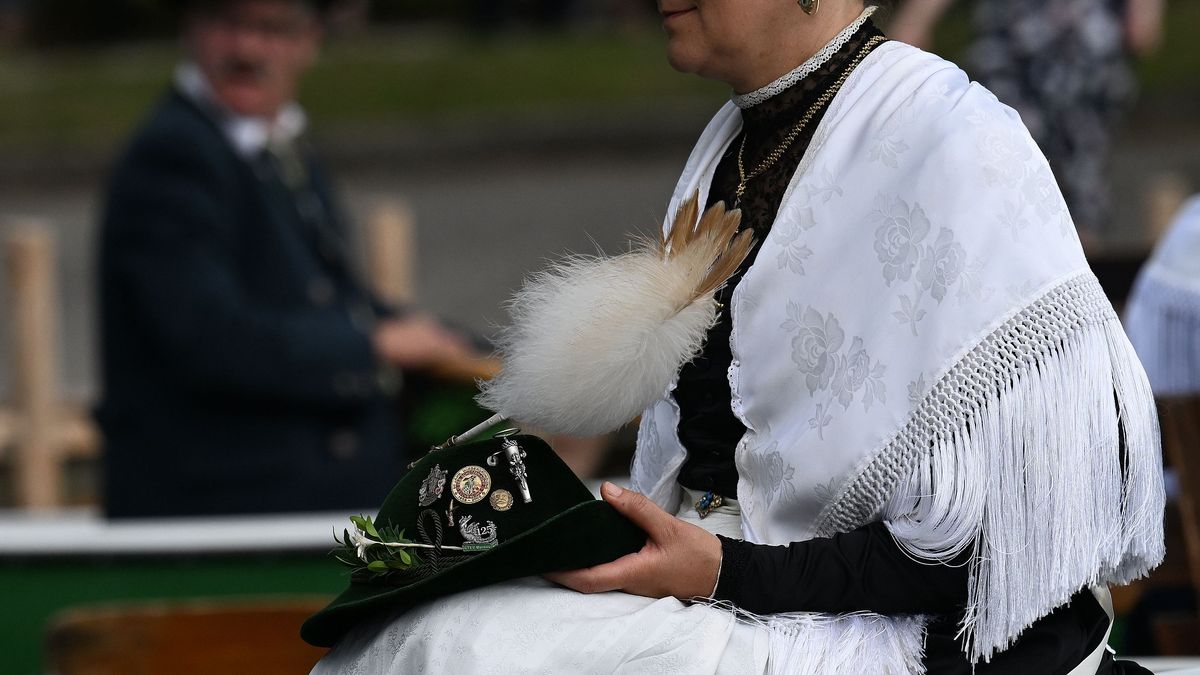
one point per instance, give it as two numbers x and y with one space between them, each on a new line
692 59
683 60
678 65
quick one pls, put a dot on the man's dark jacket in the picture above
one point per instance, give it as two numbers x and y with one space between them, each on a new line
238 373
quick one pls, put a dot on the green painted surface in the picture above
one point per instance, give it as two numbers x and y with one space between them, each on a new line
33 591
91 98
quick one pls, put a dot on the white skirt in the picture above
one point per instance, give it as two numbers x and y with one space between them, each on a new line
532 626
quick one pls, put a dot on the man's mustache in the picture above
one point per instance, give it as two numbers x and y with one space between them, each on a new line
243 68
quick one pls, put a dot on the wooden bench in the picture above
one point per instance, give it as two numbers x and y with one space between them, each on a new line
184 638
1180 418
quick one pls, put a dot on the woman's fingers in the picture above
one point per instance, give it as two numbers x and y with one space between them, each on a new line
612 576
643 512
679 559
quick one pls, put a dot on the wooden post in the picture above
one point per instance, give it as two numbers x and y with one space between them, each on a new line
391 265
391 252
29 257
1166 193
8 431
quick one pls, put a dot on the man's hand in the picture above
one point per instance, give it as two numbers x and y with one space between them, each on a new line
679 559
418 342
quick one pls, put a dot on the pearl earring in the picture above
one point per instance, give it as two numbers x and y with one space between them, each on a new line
809 6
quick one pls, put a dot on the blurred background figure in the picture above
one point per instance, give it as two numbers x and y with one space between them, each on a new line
1064 65
1163 314
246 367
1162 319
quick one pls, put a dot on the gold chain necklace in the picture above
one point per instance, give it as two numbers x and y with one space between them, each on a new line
787 141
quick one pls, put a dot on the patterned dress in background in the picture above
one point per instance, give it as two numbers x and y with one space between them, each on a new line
1064 67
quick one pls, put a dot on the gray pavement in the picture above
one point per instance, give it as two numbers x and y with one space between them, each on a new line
480 228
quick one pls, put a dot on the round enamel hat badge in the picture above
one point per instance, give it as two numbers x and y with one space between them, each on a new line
501 500
471 484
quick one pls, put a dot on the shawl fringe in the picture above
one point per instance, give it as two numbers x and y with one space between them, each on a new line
1039 453
827 644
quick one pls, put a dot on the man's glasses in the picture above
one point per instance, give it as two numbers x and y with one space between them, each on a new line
276 29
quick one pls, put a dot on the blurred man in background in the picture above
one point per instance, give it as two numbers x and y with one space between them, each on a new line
244 362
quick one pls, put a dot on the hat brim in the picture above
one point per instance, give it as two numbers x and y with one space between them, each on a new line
587 534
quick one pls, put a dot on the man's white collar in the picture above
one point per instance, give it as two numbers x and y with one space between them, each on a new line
248 135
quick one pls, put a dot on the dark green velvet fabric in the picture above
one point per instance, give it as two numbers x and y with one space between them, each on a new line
564 527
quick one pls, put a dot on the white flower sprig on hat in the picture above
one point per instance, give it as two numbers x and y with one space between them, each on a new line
378 551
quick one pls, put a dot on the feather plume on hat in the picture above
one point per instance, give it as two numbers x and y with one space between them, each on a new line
595 340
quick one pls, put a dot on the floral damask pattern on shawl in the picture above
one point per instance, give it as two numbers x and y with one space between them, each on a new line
777 474
791 228
898 238
887 145
1010 162
900 244
837 372
657 447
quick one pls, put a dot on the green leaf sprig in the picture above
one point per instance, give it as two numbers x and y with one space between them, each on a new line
378 551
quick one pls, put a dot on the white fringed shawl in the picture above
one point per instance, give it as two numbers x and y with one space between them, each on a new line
920 340
1163 316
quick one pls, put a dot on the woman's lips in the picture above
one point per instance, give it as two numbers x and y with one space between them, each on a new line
669 14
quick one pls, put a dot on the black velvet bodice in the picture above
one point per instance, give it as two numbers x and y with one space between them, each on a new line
707 426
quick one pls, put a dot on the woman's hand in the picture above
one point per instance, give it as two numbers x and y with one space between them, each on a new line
915 20
1144 25
679 559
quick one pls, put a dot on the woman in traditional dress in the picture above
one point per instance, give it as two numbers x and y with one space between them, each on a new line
1163 314
916 438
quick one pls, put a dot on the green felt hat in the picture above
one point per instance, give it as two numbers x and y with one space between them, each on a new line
562 527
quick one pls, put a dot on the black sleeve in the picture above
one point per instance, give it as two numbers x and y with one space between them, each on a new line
861 570
168 244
